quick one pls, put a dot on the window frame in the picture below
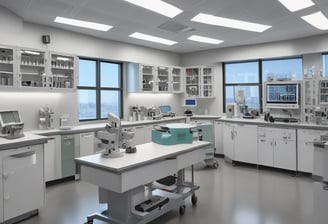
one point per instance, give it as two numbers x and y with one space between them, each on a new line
98 87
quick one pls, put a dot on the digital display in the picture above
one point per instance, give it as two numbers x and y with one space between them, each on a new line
9 117
165 109
282 93
190 102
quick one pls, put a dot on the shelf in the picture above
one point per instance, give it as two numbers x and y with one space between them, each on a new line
30 73
5 72
58 68
35 66
6 62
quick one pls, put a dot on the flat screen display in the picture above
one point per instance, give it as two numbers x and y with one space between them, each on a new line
282 93
165 109
190 102
10 117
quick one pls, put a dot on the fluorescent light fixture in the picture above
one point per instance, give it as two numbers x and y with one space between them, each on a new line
231 23
63 59
147 37
318 20
84 24
204 39
157 6
31 52
295 5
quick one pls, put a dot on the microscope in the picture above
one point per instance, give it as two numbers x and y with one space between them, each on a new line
114 138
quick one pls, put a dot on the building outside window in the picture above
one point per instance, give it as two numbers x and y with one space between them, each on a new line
325 65
99 89
282 69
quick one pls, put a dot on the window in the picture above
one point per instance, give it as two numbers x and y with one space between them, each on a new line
282 69
247 76
99 89
325 65
242 76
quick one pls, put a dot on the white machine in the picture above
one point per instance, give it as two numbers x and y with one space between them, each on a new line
11 125
45 118
114 138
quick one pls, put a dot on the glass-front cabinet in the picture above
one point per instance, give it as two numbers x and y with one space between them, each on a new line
163 79
62 71
176 75
323 94
7 77
199 82
147 76
32 68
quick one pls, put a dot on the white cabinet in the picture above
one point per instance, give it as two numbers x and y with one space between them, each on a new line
245 143
8 78
240 142
52 159
32 68
277 147
139 135
199 82
177 79
22 181
305 149
218 131
62 75
87 143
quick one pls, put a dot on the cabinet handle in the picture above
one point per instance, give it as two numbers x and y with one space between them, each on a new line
24 154
87 136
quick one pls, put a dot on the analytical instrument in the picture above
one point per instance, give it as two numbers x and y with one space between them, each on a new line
172 134
11 125
166 111
189 103
114 138
45 118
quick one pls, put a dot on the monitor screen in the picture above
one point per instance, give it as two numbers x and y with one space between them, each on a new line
10 117
165 109
190 102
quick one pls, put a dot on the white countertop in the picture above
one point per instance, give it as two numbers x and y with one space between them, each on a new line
146 153
26 140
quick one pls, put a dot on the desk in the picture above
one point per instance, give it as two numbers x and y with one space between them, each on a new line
122 180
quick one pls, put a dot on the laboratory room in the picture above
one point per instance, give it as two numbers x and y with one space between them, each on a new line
163 111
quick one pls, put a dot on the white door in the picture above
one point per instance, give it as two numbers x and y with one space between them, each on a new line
218 131
49 160
228 140
265 151
245 143
285 154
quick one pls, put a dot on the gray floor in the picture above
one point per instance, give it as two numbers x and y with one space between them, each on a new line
228 195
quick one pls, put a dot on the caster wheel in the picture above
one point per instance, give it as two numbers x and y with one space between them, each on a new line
182 209
215 165
89 222
194 199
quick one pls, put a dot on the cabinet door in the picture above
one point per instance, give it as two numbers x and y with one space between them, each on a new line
245 144
305 149
218 130
176 80
285 154
23 183
7 68
228 139
62 71
147 78
192 82
49 160
163 80
206 86
265 151
87 143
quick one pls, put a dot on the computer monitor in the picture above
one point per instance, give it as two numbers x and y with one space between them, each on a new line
190 102
165 109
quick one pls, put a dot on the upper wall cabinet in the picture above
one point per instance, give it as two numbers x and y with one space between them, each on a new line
32 68
7 68
199 82
62 74
153 79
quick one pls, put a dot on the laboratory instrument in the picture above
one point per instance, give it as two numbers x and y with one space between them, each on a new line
11 125
172 134
45 118
64 121
166 111
240 107
137 113
189 103
114 138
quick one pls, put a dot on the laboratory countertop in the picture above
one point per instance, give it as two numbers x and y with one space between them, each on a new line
262 122
91 127
146 153
27 140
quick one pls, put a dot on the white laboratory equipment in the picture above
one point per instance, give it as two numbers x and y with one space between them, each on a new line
11 126
45 118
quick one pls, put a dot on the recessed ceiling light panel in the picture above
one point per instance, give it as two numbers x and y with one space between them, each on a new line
318 20
157 6
295 5
231 23
151 38
81 23
204 39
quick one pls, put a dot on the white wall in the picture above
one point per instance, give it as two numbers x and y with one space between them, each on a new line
15 32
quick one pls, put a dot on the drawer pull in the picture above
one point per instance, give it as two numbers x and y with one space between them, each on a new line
24 154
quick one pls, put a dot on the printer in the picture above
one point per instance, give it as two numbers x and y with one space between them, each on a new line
172 134
11 125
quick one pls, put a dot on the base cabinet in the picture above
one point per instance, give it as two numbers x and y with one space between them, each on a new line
277 147
22 185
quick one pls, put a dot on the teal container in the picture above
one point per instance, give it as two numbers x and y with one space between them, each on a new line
175 135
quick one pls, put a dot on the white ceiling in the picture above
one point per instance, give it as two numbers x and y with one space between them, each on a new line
127 18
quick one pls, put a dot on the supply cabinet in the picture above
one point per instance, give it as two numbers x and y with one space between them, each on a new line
277 147
22 182
199 82
7 69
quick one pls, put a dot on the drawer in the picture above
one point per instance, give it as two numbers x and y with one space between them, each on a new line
190 158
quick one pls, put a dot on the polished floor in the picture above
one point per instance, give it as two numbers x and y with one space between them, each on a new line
228 195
